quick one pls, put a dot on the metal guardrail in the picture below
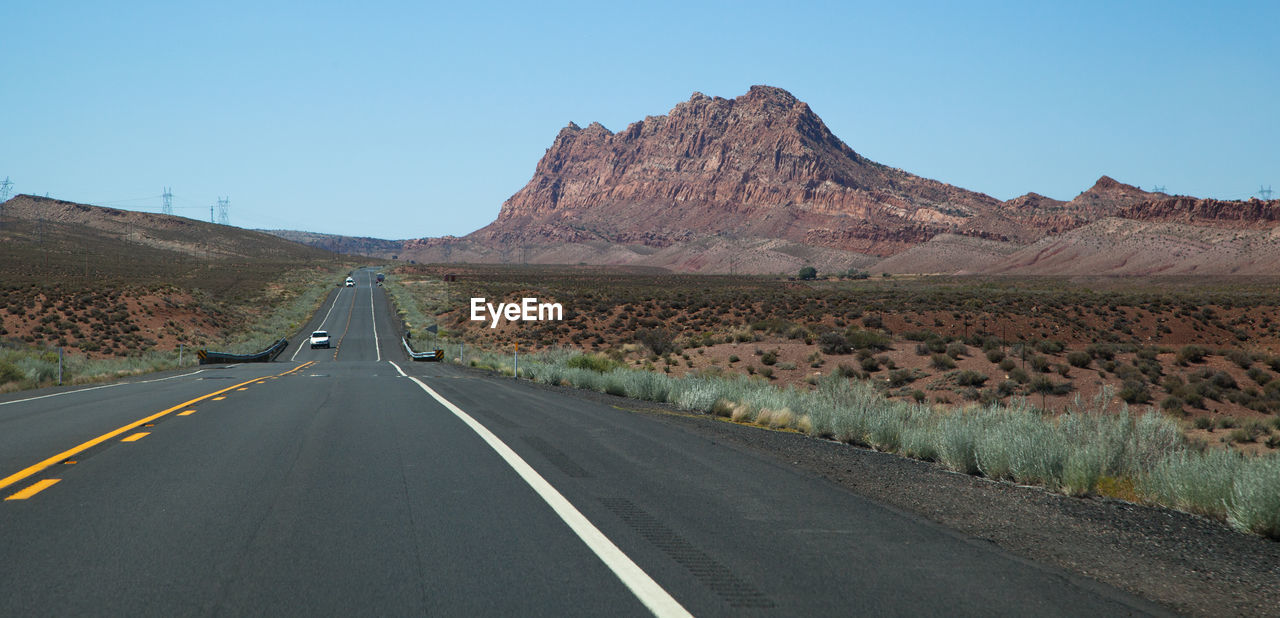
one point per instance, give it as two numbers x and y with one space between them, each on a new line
265 356
434 355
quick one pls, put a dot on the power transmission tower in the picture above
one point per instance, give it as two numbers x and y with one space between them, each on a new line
224 211
1158 189
1264 193
167 196
4 196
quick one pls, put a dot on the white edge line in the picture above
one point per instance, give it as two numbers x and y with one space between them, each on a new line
322 323
94 388
402 373
374 315
652 595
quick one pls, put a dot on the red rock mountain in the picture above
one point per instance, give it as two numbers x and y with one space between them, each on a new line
760 166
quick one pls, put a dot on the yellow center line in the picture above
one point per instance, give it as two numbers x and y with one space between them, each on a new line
219 398
186 413
34 489
27 472
242 389
346 328
135 437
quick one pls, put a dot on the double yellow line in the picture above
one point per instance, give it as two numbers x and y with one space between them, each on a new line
28 472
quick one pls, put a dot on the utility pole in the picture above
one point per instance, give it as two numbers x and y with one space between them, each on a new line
1264 193
224 211
167 205
211 214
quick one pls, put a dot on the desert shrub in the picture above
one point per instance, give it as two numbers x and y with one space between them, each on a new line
1241 358
1172 405
1079 359
659 340
832 342
868 340
1191 354
598 363
1101 351
1133 391
901 377
956 349
919 335
1018 375
9 372
942 361
970 378
1008 364
1039 363
769 358
1254 504
1222 379
1049 346
995 355
871 364
1195 482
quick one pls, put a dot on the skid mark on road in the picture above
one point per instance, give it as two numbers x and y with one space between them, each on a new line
707 570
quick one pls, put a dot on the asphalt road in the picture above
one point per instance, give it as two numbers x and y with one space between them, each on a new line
352 481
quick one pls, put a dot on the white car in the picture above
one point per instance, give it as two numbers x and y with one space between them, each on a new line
351 282
319 339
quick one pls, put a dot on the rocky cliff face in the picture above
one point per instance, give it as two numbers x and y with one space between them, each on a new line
1254 214
1036 215
762 165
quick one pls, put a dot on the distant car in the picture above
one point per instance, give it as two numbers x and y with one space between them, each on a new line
351 282
319 339
381 277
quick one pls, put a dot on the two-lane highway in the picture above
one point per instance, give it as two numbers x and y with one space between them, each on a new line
353 481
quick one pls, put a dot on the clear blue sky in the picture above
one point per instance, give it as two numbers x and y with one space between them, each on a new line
413 119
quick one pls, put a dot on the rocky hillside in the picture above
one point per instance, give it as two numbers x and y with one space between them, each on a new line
761 166
352 245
